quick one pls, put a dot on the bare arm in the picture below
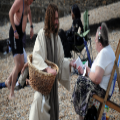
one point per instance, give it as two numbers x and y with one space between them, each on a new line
30 16
25 65
96 77
30 21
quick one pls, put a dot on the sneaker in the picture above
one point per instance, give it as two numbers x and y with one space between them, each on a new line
18 87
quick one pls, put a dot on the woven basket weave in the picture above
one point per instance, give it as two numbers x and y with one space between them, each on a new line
39 80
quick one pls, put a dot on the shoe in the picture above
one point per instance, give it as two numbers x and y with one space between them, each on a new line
18 87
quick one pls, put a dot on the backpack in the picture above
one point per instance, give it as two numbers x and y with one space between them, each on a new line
91 114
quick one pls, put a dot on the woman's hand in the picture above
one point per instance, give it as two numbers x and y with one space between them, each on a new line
52 71
80 70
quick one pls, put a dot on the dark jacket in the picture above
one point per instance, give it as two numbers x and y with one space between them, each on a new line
75 25
67 37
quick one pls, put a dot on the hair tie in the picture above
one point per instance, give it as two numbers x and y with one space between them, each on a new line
99 35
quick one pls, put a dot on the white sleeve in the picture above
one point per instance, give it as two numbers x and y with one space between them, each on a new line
39 53
64 69
103 60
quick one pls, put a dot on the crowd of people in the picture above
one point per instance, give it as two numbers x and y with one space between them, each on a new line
50 45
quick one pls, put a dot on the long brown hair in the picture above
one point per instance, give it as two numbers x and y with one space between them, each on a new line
49 20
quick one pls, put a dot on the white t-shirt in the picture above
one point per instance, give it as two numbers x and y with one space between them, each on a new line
105 59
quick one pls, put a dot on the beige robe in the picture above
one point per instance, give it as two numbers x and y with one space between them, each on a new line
39 55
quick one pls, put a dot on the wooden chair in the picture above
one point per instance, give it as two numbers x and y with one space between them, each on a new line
104 101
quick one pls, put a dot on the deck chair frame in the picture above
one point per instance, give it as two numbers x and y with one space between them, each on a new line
104 101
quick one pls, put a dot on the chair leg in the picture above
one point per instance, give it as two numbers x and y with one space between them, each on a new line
101 111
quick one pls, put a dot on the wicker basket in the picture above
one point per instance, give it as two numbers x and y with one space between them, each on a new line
39 80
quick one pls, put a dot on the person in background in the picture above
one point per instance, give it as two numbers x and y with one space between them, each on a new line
2 85
18 15
24 75
22 78
67 37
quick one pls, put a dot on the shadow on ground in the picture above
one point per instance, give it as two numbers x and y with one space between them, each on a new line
113 24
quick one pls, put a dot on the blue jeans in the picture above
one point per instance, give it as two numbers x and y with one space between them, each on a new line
2 85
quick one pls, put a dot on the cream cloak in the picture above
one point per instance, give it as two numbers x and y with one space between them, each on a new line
39 56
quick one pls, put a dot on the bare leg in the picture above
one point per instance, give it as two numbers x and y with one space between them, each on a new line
19 62
80 117
8 81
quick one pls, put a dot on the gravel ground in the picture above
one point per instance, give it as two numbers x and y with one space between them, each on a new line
18 109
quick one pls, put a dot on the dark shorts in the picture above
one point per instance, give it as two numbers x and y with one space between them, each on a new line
16 44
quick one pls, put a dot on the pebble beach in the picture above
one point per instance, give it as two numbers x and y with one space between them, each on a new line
19 108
